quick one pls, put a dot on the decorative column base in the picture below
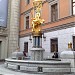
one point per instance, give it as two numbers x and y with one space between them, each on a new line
37 54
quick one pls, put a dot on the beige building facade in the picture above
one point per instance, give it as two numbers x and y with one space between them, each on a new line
9 35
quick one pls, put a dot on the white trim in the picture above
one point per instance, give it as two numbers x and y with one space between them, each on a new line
70 6
58 10
74 8
49 12
24 22
53 2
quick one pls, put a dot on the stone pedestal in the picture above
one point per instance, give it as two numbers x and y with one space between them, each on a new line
69 56
37 54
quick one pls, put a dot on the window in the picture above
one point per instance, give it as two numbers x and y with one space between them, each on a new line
27 22
28 1
54 12
73 7
74 43
54 45
36 43
26 47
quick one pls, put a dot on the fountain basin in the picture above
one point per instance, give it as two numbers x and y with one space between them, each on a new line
38 66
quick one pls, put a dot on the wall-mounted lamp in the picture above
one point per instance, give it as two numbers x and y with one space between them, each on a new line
44 37
30 38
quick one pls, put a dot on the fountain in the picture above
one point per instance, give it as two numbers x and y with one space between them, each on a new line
37 50
36 63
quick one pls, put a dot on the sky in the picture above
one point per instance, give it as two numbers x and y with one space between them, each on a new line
3 12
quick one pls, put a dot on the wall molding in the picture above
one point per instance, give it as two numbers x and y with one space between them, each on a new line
60 27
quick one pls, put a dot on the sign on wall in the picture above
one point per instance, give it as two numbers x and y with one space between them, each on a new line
3 12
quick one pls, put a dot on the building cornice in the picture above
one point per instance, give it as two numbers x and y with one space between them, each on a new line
59 20
25 35
60 27
27 11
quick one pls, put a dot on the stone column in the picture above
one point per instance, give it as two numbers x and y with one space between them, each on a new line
37 50
13 25
37 54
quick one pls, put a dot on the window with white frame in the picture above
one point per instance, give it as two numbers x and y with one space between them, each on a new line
73 7
53 10
26 21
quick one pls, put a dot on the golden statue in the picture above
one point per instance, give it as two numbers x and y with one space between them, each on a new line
37 21
37 5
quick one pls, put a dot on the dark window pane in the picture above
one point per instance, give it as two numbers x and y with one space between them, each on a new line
73 42
54 45
27 22
26 47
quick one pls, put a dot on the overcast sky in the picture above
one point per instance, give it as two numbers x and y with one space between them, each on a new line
3 12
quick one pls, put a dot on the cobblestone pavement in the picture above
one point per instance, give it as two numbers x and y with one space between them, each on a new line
5 71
